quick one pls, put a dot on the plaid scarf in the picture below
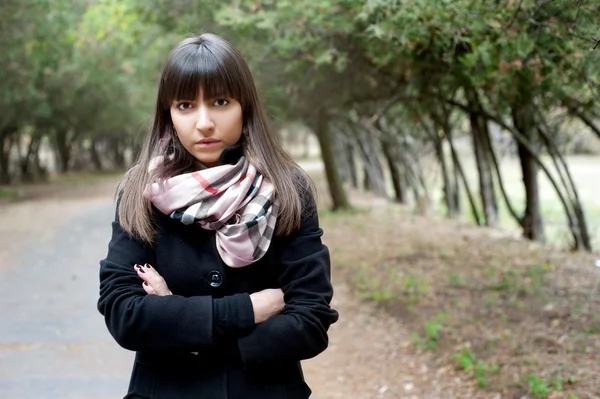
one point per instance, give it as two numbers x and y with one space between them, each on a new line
234 200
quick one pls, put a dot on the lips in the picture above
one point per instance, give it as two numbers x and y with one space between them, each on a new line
207 141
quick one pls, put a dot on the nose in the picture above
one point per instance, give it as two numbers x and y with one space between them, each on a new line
204 122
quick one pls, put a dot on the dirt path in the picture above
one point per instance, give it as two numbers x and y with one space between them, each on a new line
371 356
56 345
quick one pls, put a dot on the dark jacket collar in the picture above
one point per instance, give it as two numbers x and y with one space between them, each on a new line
231 154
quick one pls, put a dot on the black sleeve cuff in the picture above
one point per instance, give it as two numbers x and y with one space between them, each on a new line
232 314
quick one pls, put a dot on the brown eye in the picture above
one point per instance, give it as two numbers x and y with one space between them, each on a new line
184 106
221 103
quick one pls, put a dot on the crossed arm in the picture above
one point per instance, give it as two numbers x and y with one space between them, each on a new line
265 303
293 330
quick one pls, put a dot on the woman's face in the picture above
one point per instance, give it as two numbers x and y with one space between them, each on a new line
205 126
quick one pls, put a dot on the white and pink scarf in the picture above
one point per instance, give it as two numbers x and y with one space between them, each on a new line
233 200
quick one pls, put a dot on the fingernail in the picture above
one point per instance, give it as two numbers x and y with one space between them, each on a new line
148 266
141 269
145 283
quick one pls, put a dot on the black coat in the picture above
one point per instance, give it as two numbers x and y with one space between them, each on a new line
211 313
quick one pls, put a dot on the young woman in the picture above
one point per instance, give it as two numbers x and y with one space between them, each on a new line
215 274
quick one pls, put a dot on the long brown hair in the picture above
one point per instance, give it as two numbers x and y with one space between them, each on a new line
211 64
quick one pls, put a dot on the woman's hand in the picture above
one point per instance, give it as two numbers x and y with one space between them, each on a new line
267 303
153 283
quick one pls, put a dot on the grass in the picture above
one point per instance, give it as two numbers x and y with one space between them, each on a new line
481 371
516 318
9 194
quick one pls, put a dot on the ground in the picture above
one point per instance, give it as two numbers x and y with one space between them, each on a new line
472 306
411 293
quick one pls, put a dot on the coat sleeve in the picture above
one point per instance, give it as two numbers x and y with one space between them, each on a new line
300 331
138 321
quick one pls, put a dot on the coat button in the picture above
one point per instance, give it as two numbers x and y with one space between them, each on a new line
215 279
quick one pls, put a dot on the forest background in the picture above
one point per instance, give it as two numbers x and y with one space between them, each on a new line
442 114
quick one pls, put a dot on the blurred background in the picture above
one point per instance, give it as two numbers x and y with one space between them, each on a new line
455 145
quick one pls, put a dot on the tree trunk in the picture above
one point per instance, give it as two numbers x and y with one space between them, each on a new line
41 171
62 150
498 174
418 181
374 176
339 146
95 156
396 176
479 130
533 228
448 194
413 173
351 163
367 183
78 161
451 183
459 169
566 202
29 162
118 153
393 153
6 144
339 200
579 223
456 200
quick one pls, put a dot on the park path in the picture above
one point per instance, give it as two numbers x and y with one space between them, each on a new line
54 344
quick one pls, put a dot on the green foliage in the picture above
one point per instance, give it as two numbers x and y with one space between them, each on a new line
431 333
415 287
467 361
516 281
381 288
373 287
456 280
541 388
76 70
538 387
9 194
